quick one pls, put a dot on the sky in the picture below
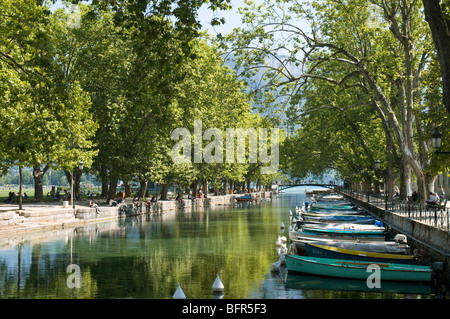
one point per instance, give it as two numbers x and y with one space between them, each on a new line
232 18
205 15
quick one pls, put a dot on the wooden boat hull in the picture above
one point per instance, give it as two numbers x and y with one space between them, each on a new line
245 199
325 213
332 207
341 218
356 270
314 229
345 237
323 251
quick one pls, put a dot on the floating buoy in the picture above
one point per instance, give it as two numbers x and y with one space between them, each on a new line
283 239
282 225
401 238
217 285
290 213
179 294
290 228
278 242
296 208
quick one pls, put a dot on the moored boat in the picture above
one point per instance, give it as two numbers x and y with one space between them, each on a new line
357 270
344 228
360 219
245 199
378 253
344 237
332 207
322 213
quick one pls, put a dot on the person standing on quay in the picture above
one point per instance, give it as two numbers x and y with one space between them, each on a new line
441 193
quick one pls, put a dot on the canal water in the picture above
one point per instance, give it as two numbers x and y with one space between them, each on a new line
147 256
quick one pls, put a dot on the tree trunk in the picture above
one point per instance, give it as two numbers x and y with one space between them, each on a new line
440 31
127 185
390 181
206 186
195 187
143 188
20 187
105 186
225 187
112 188
164 191
38 176
77 184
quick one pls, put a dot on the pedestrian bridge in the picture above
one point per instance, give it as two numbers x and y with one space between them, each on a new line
330 186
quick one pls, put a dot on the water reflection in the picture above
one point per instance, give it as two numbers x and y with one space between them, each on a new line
146 256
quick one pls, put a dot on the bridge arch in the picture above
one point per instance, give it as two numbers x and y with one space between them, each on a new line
333 187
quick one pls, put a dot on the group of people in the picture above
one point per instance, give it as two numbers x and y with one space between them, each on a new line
199 194
56 195
13 197
435 198
121 200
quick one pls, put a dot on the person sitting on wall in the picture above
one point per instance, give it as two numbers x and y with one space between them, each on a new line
148 205
396 194
116 202
93 204
432 199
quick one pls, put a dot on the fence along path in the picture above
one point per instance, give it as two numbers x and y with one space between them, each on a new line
433 216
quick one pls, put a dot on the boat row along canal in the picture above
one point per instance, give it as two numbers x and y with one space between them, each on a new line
334 242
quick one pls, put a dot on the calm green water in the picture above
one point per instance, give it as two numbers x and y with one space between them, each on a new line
146 256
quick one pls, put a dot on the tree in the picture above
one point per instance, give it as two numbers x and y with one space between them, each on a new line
46 120
437 16
383 65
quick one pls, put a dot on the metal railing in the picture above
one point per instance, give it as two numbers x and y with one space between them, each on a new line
436 216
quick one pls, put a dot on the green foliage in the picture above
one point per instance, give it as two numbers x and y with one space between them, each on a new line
357 91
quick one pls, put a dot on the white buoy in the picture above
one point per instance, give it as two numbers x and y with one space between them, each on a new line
283 239
282 225
179 294
217 285
278 242
290 228
290 213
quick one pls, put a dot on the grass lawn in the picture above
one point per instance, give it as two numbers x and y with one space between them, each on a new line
4 193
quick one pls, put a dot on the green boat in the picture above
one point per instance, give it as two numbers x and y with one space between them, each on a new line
356 269
302 281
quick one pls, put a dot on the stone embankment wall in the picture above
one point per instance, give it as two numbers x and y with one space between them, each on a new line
433 241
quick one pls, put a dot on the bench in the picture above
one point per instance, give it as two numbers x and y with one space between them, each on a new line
440 206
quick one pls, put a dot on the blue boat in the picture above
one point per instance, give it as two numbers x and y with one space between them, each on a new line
345 229
341 218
